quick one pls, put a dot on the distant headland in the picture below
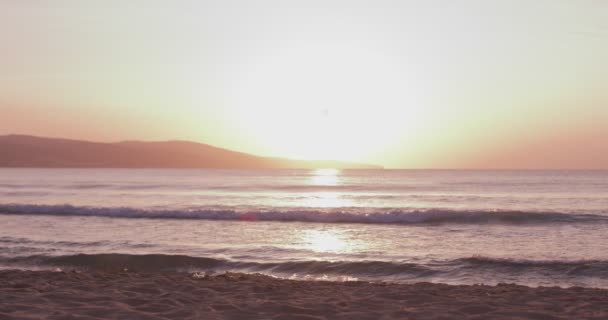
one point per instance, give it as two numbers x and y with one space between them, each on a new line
44 152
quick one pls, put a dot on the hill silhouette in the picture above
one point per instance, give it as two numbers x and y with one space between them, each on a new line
31 151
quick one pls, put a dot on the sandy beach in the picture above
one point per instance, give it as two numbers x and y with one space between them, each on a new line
134 295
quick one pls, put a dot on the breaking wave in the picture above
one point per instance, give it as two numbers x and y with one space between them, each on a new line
342 215
363 269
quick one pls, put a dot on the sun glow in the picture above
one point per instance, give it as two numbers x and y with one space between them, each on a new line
325 101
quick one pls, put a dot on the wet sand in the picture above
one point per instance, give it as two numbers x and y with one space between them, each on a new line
135 295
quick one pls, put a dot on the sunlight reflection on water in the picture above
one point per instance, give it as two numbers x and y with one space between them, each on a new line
326 199
325 177
330 240
324 241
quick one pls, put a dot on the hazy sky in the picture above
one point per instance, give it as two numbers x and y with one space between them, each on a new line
400 83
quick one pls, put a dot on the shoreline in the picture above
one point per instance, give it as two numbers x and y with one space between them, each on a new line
154 295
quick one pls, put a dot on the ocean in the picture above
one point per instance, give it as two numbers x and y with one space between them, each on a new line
536 228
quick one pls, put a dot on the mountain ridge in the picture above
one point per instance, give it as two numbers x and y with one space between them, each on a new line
18 150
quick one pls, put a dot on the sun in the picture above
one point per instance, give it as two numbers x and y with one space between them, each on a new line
325 102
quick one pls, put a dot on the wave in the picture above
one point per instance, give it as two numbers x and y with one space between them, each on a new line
365 269
162 262
9 241
597 268
116 261
342 215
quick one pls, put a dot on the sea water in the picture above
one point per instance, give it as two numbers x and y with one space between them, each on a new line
537 228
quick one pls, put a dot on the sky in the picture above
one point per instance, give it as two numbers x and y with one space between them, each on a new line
405 84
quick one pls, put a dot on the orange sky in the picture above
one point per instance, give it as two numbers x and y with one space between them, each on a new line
443 84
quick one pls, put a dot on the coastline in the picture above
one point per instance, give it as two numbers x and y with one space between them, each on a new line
172 295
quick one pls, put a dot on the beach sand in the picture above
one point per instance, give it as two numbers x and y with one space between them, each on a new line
136 295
